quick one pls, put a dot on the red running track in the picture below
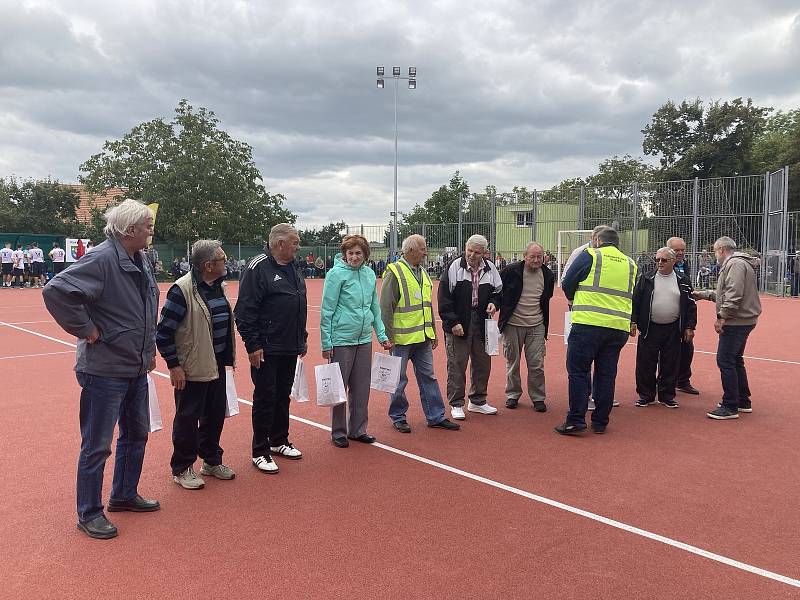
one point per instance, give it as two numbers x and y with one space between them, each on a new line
369 522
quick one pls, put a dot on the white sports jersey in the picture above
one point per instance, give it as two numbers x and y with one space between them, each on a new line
57 254
18 255
36 255
7 255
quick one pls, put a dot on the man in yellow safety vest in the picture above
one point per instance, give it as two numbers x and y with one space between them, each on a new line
407 313
599 285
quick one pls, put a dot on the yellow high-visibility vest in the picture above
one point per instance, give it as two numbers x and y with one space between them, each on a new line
413 318
605 297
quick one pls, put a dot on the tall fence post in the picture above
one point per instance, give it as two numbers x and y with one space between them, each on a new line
765 229
534 200
424 231
460 219
785 231
695 227
582 208
635 232
493 223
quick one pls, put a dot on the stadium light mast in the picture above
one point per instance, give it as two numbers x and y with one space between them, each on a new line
412 85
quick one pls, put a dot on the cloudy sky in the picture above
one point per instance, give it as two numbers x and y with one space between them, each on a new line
509 92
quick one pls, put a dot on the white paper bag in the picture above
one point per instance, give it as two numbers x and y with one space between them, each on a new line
152 402
492 338
300 385
385 374
232 404
567 326
330 386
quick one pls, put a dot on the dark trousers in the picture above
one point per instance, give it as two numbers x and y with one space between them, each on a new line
198 422
730 349
685 366
659 351
599 345
273 383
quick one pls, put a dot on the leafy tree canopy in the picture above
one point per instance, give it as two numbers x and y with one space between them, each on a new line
206 183
38 207
327 235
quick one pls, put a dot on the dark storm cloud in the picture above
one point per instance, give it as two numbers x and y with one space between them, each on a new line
509 92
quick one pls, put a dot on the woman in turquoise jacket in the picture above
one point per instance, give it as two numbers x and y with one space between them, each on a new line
349 313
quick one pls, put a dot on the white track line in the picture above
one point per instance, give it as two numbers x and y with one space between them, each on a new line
530 496
39 354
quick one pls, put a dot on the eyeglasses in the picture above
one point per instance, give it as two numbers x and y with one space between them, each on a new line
663 259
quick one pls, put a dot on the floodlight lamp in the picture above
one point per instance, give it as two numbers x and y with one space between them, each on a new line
412 84
380 84
396 71
412 72
380 71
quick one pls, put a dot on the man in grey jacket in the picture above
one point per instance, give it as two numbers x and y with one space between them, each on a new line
738 309
109 301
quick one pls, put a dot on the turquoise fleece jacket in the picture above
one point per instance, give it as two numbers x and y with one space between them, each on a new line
350 308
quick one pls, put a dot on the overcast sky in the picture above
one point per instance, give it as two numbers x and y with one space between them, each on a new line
509 92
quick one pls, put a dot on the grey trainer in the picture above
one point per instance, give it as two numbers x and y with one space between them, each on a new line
189 480
218 471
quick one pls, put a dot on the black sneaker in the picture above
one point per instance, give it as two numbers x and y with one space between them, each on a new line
539 406
599 429
644 402
721 413
565 429
745 406
511 403
688 388
402 426
669 403
445 424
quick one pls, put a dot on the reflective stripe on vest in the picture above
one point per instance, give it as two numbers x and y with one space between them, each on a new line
412 320
604 298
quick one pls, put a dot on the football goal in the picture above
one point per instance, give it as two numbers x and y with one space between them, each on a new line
568 241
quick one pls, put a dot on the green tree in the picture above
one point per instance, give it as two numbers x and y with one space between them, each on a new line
694 140
438 214
206 182
779 146
330 234
38 206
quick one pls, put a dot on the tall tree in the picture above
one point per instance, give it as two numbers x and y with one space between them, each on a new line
330 234
694 140
38 207
779 146
206 182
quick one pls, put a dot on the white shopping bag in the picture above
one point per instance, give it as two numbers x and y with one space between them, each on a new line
567 325
300 385
492 338
153 409
232 400
330 386
385 374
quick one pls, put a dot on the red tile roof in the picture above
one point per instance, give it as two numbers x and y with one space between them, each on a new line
87 200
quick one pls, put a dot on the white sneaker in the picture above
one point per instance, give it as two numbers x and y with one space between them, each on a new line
265 464
286 450
457 412
485 409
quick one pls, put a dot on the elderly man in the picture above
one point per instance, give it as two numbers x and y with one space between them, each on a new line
664 313
738 309
469 293
271 317
109 300
678 246
599 285
195 338
524 319
407 312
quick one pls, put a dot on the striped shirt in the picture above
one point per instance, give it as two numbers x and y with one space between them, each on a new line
174 312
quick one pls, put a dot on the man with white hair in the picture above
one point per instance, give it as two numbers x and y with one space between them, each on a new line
738 309
271 316
109 301
407 312
469 293
664 313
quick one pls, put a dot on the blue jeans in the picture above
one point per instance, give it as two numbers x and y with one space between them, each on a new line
104 402
599 345
735 388
421 355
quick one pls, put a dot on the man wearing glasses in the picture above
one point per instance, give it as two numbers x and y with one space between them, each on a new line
665 314
195 338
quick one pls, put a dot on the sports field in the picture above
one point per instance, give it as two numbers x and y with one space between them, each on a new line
667 504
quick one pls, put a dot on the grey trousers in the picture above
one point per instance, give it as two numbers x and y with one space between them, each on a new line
530 340
356 364
472 348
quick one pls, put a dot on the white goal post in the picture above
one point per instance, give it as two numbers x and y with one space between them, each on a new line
568 241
